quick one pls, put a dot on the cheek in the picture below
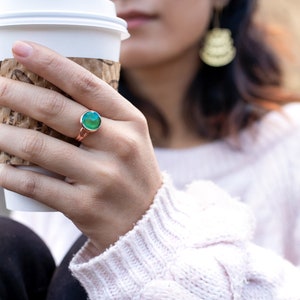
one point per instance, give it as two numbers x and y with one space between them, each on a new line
159 48
187 20
172 35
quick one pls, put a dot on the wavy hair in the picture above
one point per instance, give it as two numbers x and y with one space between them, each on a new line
224 100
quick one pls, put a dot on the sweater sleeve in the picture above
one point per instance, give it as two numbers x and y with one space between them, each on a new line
185 247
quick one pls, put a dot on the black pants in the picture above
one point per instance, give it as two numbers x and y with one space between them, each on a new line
27 268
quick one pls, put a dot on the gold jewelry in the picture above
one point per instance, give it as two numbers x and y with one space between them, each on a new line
218 49
90 122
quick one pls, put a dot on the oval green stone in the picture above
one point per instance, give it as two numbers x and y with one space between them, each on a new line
91 120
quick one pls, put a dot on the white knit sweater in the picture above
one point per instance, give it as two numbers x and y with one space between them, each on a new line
188 246
264 173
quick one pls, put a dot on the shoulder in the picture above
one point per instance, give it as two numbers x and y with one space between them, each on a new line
281 122
285 120
292 110
276 129
281 129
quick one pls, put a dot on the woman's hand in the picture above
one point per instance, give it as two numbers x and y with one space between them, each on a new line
111 179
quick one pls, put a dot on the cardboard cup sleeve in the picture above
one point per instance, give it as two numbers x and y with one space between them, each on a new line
107 70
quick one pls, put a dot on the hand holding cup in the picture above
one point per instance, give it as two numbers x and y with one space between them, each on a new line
111 180
88 33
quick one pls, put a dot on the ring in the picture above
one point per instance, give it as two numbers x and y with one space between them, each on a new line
90 122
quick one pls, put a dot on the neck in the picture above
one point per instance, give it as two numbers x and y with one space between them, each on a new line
165 86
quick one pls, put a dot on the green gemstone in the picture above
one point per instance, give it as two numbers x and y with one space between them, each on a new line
91 120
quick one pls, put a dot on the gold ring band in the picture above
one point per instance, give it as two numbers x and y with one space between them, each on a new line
90 122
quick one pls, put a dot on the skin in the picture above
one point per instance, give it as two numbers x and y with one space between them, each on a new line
164 48
112 178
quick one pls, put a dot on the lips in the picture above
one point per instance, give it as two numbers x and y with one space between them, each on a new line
135 19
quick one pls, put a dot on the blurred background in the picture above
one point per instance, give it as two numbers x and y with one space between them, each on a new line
284 15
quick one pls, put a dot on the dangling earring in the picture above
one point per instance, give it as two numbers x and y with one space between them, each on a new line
218 49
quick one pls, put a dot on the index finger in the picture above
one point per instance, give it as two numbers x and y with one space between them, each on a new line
79 83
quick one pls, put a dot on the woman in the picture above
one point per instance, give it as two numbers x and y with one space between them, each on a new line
146 239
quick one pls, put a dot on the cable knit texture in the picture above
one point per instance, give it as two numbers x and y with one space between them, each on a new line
263 173
193 244
187 248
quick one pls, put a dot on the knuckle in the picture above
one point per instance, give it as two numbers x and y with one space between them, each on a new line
3 175
51 105
142 124
110 174
4 88
107 173
51 62
28 186
129 143
32 145
86 82
128 147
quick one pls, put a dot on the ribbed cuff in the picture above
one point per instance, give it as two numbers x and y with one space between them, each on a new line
137 257
204 215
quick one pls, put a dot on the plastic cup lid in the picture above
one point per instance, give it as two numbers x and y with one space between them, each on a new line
96 13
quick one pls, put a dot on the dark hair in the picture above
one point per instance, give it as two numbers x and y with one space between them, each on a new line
226 99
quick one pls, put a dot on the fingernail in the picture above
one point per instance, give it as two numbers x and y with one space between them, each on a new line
21 49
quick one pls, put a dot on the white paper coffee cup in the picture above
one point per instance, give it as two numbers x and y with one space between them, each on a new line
19 202
73 28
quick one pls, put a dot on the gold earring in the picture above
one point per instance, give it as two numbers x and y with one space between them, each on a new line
218 49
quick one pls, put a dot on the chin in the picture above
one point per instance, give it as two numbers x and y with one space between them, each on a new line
136 59
134 63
